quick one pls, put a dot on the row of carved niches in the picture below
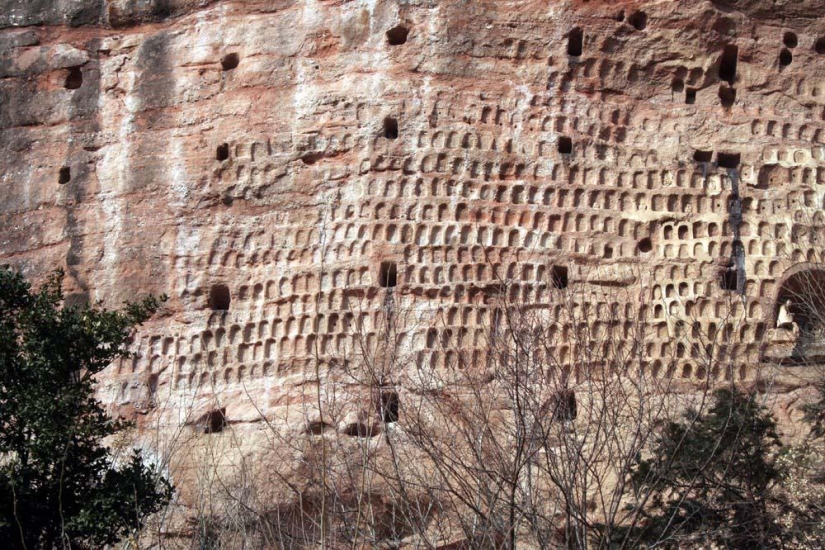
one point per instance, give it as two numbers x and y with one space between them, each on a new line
277 343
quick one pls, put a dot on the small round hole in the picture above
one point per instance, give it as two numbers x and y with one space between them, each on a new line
790 39
785 57
65 175
645 245
397 35
820 46
638 19
230 61
312 157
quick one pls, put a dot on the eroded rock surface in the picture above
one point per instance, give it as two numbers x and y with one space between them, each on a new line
280 168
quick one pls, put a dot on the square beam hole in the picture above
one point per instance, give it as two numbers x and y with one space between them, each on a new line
219 298
391 128
559 275
388 275
565 145
575 42
728 160
702 156
729 280
389 406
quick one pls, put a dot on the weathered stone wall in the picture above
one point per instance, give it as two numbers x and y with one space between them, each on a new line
282 152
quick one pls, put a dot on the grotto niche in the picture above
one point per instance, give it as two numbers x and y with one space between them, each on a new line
797 334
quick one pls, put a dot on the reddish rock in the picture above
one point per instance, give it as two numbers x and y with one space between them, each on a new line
280 168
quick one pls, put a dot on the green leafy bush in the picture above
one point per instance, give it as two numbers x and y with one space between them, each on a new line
59 483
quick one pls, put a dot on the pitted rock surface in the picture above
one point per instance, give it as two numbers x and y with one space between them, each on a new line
284 169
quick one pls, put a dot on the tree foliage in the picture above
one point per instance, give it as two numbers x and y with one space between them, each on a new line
711 478
815 412
60 485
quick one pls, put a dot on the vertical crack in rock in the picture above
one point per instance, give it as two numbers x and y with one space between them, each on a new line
83 122
737 261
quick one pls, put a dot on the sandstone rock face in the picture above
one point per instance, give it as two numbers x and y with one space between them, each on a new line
288 171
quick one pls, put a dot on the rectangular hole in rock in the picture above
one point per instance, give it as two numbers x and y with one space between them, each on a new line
729 280
703 156
690 96
65 175
389 406
74 79
565 145
565 405
222 152
559 275
575 42
771 175
388 275
213 422
391 128
728 62
219 297
728 160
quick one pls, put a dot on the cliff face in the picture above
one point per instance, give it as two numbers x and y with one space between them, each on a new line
280 168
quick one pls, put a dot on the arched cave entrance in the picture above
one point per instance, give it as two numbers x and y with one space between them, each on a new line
799 309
